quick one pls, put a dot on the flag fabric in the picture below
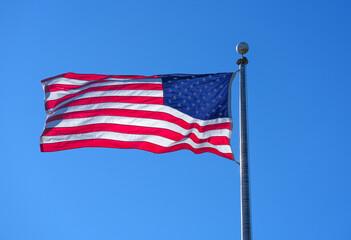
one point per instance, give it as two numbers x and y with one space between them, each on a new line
161 113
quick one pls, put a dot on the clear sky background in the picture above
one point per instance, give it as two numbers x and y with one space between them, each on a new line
299 118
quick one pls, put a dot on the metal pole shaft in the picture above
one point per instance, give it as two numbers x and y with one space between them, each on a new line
244 157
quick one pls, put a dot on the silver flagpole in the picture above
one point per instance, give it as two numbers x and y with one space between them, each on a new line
242 48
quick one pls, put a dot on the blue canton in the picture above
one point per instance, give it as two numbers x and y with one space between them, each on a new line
202 96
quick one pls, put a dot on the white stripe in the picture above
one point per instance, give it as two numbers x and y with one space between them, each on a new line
70 81
143 107
65 81
161 141
140 122
59 94
129 93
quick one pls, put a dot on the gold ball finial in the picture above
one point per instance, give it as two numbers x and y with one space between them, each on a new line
242 48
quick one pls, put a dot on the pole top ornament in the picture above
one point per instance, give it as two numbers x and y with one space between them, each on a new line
242 48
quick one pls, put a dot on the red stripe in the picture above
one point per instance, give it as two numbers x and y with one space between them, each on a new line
143 86
57 76
66 87
140 114
166 133
124 99
88 77
50 147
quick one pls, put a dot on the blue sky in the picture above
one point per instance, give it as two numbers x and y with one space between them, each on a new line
299 120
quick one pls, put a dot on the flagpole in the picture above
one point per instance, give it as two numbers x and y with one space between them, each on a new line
242 48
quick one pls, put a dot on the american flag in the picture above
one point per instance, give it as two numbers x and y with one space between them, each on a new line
161 113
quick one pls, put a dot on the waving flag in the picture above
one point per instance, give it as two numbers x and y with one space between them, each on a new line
161 113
